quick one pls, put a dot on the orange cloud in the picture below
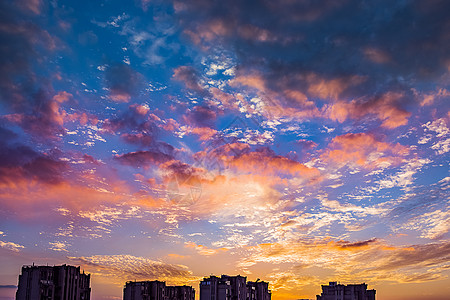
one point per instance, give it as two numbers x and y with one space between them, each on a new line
330 88
385 108
176 256
204 133
263 162
268 163
121 268
119 96
363 150
203 250
227 100
429 98
281 100
371 260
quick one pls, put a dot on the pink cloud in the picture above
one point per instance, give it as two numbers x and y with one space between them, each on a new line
364 150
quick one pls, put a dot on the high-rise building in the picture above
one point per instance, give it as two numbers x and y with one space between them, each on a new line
335 291
156 290
209 289
53 283
183 292
258 290
233 288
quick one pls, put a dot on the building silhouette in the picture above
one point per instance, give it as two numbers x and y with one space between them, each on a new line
233 288
258 290
335 291
53 283
156 290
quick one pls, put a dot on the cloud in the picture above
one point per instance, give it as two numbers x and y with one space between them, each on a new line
59 246
422 210
363 149
386 107
201 116
123 82
138 126
18 162
33 6
352 261
46 120
315 63
189 76
265 161
401 35
227 100
128 121
108 215
28 98
54 184
120 268
346 245
403 178
361 211
306 96
205 251
204 133
418 256
143 158
439 130
11 246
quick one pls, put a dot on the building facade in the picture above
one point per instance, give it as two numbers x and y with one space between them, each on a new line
53 283
335 291
233 288
258 290
156 290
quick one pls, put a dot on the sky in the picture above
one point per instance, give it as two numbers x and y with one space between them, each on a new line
299 142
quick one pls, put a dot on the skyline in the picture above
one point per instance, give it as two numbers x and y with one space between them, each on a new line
68 282
298 142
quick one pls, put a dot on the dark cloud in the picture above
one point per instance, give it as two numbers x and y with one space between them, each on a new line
201 116
45 169
135 118
123 82
355 245
28 97
369 48
16 54
46 120
306 144
330 38
19 162
143 158
181 172
418 255
136 126
190 77
6 134
138 138
16 155
90 159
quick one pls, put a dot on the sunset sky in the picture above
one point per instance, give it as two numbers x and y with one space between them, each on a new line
299 142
